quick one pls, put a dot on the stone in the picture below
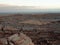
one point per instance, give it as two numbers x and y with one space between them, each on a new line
16 39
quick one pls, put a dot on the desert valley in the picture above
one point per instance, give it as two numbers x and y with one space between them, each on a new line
35 29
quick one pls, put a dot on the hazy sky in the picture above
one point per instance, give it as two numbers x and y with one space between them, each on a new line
41 3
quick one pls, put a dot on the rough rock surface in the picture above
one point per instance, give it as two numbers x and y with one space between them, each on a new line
16 39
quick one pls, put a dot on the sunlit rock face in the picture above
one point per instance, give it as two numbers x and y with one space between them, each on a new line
16 39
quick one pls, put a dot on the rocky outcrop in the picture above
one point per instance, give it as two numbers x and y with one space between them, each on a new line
16 39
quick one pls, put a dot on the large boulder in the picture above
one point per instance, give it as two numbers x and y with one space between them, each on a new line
16 39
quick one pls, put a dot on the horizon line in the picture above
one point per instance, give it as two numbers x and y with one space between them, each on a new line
37 7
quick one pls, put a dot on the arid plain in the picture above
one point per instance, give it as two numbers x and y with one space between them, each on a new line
42 29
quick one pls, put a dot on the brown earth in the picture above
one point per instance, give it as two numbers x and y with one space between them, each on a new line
43 29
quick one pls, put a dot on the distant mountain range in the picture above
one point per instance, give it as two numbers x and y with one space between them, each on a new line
25 9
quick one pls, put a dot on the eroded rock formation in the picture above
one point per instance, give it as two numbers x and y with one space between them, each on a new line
16 39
